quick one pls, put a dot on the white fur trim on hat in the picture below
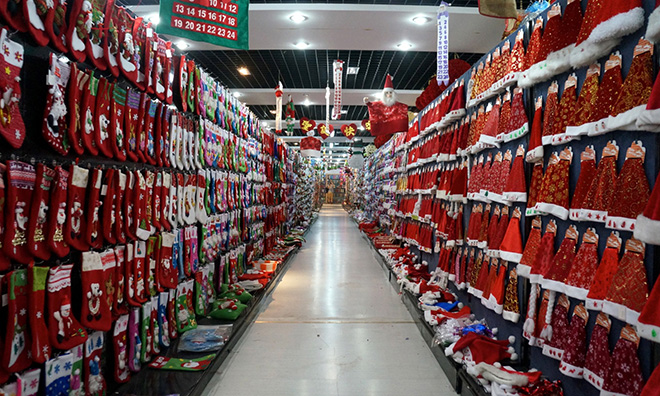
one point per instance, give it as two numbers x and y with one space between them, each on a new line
621 312
653 27
594 305
511 316
553 209
546 140
494 374
535 278
517 133
649 120
559 61
515 196
534 155
553 285
580 130
618 26
626 121
647 230
310 153
570 370
576 292
598 216
588 52
599 127
523 270
510 256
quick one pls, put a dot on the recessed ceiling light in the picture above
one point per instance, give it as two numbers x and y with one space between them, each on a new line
237 94
243 71
352 70
273 112
182 44
421 20
298 18
307 102
344 111
301 44
404 46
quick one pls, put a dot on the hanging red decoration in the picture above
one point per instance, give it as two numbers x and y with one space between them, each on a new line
349 130
307 125
324 130
366 124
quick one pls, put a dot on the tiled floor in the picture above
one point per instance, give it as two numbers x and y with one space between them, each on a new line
333 326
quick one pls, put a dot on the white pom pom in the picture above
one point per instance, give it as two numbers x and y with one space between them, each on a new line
460 305
498 364
533 370
495 331
514 356
512 339
424 262
472 316
511 350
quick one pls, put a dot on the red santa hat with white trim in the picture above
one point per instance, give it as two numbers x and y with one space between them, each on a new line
389 87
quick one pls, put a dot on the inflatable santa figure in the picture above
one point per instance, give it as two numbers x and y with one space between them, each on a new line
387 116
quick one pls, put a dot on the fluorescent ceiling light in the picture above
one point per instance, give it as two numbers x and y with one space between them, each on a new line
421 20
243 71
154 18
307 102
344 111
182 44
237 94
301 44
298 18
404 46
273 112
352 70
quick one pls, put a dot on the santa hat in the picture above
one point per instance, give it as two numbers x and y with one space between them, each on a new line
652 387
504 376
66 303
310 147
388 84
653 32
647 226
478 348
649 319
649 118
617 19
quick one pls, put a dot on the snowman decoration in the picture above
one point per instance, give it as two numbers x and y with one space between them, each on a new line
20 224
94 302
57 111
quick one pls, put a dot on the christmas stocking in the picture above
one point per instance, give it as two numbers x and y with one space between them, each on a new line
128 220
119 302
187 259
142 226
158 74
180 199
58 375
75 222
165 201
116 128
36 12
95 312
169 73
39 213
4 260
163 322
21 178
168 274
158 134
130 276
80 26
102 117
145 332
134 340
54 128
94 381
40 347
194 249
64 330
28 382
87 109
95 42
201 292
191 198
171 315
77 361
172 202
132 123
93 233
120 348
126 56
109 198
140 270
165 135
177 256
78 82
119 232
155 326
181 82
142 43
57 213
11 62
109 279
185 316
152 286
16 356
156 210
149 132
150 179
141 140
111 43
201 214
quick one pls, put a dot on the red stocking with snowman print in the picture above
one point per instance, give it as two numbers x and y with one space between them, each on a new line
94 381
93 233
54 128
21 178
39 212
16 356
57 213
79 27
64 330
95 313
120 347
102 117
12 127
75 222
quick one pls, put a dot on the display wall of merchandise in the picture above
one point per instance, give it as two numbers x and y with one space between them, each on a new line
379 185
529 184
138 197
307 184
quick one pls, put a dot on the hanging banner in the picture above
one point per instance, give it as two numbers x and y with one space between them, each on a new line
218 22
442 74
290 117
279 90
338 69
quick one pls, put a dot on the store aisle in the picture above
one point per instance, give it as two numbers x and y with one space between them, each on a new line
333 326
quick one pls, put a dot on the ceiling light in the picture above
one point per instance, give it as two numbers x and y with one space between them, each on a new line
332 145
421 20
298 18
154 18
344 112
237 94
273 112
404 46
243 71
307 102
352 70
301 44
182 44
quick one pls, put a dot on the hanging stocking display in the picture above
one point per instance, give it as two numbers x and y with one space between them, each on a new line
94 381
87 116
39 213
55 129
12 127
134 340
163 322
126 55
57 213
116 127
102 117
120 348
78 81
145 332
185 316
37 12
16 356
119 301
95 312
111 43
40 346
75 223
109 199
80 26
64 330
20 178
58 375
98 34
93 235
131 123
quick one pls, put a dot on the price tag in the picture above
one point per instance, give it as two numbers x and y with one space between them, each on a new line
589 154
636 151
564 302
611 149
614 61
629 333
572 233
581 311
551 227
593 69
590 236
603 320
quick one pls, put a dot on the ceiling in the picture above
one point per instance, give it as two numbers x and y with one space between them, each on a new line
362 33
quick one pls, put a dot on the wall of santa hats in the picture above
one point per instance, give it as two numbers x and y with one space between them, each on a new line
134 192
530 182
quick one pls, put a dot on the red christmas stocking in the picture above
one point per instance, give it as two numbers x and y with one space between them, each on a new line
21 178
109 199
94 381
142 226
158 73
152 286
129 200
12 12
40 348
11 63
111 43
171 315
56 25
119 302
141 43
16 355
109 279
140 271
200 212
127 49
181 82
134 341
145 103
75 222
131 123
116 129
165 135
168 274
120 219
36 12
4 260
39 213
87 109
102 117
149 132
156 210
54 128
120 348
80 26
95 42
93 233
165 202
145 332
57 213
155 326
169 73
163 323
150 179
95 313
158 134
77 85
129 279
